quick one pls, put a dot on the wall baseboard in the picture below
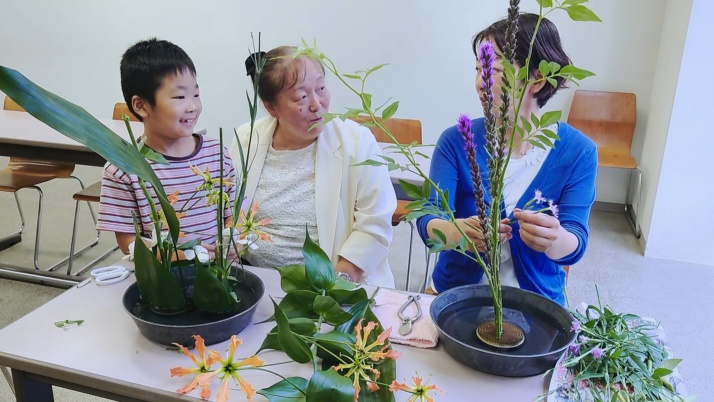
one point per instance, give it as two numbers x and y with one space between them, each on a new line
608 206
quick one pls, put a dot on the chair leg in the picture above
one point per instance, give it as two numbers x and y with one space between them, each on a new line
16 237
39 227
629 213
427 256
409 258
8 377
74 238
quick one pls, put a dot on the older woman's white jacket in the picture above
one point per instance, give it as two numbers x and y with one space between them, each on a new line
354 204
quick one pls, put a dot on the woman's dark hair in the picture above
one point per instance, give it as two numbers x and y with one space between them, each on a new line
276 73
145 64
547 46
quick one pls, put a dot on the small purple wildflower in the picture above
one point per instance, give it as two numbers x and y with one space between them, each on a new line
574 349
553 208
583 339
597 353
576 325
539 199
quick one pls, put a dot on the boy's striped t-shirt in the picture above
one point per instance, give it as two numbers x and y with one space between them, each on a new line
121 194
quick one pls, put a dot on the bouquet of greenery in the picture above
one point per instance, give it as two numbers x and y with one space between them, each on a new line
616 357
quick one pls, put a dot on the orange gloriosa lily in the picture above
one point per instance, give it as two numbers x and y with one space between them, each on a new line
203 364
367 356
418 390
230 368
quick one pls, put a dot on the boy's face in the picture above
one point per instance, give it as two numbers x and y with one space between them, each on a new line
176 109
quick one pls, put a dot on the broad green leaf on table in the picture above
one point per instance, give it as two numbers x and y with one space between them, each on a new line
292 277
299 325
318 269
290 343
328 385
330 310
291 389
298 304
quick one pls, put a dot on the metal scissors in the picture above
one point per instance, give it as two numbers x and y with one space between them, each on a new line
407 322
111 274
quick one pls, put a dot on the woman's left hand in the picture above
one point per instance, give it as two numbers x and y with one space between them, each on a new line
538 231
346 266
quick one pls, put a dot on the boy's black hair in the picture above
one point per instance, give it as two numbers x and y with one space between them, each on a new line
145 64
547 47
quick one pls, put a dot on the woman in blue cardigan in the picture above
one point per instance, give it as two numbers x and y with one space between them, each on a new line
536 245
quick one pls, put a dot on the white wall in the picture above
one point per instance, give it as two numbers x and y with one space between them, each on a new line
682 217
73 47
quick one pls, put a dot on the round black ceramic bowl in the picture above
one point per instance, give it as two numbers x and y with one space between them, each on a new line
457 312
180 328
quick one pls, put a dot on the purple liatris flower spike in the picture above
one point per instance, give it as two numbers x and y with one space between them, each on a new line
486 57
597 353
464 124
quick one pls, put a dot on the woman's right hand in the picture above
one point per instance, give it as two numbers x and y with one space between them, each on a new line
471 227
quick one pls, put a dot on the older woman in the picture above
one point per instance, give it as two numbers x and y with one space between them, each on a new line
303 173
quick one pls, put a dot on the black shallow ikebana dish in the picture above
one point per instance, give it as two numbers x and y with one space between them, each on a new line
546 324
180 328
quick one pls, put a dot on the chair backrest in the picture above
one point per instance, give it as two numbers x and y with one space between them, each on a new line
10 104
405 131
609 119
122 108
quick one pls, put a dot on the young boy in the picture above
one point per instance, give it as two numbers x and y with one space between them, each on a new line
158 81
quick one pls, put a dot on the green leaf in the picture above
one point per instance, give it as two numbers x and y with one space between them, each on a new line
318 269
661 372
291 389
370 162
411 190
549 118
440 236
373 69
290 343
366 100
352 76
545 3
357 311
579 12
156 284
527 127
390 110
299 325
334 343
292 277
575 72
328 308
550 134
209 293
344 296
298 303
328 385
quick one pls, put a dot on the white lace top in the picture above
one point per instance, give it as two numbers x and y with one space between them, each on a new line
286 194
519 175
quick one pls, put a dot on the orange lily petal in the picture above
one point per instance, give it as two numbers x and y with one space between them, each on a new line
205 390
246 388
190 387
254 361
182 371
222 392
398 386
186 352
372 387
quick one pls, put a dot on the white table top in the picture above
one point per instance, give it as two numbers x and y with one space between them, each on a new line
23 129
107 351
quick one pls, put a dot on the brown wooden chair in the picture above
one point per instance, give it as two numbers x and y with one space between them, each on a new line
609 119
89 195
406 131
21 173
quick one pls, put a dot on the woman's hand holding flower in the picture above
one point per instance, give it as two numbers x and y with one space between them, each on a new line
538 231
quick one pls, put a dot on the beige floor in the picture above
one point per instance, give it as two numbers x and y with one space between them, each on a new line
674 293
